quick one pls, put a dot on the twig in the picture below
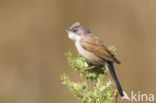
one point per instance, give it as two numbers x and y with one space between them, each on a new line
116 98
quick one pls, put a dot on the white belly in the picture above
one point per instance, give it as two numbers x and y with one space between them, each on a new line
88 55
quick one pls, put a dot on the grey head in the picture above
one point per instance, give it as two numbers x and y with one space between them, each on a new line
76 31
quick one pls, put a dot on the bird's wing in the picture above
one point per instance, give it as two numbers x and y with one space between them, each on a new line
95 45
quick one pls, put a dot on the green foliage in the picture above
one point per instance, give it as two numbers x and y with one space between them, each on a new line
92 88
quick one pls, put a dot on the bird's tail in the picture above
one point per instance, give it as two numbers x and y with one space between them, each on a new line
110 68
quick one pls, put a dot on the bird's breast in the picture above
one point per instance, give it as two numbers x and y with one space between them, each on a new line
87 54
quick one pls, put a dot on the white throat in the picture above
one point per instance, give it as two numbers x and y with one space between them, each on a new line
73 36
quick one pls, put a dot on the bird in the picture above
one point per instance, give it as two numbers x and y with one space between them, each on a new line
93 49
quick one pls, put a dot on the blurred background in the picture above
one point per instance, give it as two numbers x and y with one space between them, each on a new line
32 45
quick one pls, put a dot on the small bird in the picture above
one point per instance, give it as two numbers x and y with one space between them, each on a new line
92 48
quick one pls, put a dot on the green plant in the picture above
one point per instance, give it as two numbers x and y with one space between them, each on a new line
92 88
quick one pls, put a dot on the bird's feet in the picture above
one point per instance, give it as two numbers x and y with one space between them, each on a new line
89 68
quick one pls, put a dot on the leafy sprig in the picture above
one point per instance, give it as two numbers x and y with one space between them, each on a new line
92 88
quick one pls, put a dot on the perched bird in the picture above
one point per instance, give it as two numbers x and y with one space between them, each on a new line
92 48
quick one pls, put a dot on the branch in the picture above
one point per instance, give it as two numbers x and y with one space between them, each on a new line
92 88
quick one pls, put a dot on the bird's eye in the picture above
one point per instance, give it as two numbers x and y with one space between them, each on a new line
74 30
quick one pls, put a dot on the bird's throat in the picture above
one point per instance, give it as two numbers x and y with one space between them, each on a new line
73 36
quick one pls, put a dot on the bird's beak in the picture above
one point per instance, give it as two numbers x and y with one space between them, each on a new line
65 30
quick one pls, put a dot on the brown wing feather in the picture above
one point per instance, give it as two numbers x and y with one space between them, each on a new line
95 45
